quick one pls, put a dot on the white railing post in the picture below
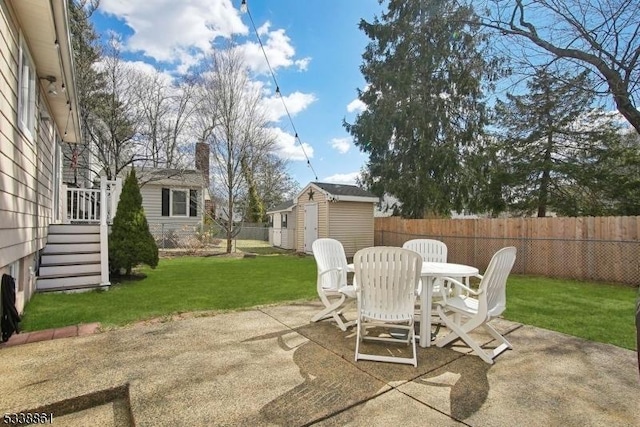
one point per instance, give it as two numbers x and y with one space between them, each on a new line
116 189
104 234
65 205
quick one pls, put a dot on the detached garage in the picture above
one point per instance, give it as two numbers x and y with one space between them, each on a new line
337 211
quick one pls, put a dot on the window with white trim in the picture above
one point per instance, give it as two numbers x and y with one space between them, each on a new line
27 92
179 203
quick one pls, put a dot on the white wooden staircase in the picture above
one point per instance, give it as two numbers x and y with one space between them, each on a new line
76 256
71 259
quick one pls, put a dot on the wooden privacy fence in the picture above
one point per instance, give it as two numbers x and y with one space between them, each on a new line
585 248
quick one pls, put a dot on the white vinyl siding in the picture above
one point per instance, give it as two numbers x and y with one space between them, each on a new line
152 205
27 158
27 92
352 224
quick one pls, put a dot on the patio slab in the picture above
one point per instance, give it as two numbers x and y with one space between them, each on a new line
270 366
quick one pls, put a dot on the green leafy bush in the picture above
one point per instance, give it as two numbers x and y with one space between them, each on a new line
131 242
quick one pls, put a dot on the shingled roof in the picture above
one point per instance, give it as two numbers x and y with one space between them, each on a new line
343 190
171 177
286 205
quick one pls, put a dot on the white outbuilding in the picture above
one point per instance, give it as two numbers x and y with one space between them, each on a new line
338 211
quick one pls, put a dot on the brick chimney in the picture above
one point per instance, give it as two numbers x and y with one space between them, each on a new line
202 160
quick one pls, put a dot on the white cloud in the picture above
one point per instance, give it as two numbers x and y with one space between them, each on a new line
295 102
343 178
277 47
169 30
356 106
287 147
341 144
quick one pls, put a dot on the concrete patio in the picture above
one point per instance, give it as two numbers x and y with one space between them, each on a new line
270 366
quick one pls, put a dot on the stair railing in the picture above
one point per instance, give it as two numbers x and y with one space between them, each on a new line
85 205
82 205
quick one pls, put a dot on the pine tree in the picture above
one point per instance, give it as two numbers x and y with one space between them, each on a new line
424 71
552 147
130 241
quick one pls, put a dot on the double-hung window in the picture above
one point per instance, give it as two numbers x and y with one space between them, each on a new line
179 202
27 92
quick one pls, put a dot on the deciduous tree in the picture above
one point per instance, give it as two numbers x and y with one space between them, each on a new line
600 36
233 122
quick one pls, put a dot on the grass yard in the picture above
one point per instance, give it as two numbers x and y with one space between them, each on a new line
180 285
595 311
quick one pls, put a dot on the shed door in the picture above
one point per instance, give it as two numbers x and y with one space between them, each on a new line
310 225
277 231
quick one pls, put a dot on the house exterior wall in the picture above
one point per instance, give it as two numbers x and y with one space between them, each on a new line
182 227
351 223
27 169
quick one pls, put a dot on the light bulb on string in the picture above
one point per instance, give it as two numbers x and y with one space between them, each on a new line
243 6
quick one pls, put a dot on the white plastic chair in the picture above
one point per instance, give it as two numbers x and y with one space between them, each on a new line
332 287
430 250
462 314
387 281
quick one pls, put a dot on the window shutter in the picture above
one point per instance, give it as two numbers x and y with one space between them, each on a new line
193 202
165 202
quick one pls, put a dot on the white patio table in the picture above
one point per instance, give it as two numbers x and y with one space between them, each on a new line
430 272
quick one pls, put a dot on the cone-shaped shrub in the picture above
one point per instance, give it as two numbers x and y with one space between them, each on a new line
130 242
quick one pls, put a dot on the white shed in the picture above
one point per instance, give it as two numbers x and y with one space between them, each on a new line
282 225
338 211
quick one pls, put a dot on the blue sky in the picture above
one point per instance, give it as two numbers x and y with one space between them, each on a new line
314 46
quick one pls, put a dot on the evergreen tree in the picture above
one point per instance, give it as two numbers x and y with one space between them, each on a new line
424 71
130 241
552 148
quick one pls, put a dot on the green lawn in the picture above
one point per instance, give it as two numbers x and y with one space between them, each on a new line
595 311
180 285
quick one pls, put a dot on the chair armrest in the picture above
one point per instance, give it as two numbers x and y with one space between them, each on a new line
329 270
462 285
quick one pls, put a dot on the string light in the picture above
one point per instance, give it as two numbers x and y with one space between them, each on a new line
66 127
244 8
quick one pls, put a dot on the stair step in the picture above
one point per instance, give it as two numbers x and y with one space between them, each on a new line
74 229
73 238
69 270
70 258
73 282
66 248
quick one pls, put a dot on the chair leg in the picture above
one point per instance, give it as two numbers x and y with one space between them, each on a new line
329 309
461 331
504 344
360 336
